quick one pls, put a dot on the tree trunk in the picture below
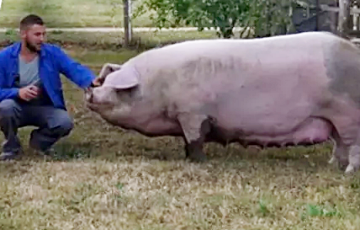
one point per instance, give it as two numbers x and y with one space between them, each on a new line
127 23
317 15
344 15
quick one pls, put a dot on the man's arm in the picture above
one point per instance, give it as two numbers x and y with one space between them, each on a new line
6 93
77 73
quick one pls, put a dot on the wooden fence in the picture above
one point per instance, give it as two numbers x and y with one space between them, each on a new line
349 16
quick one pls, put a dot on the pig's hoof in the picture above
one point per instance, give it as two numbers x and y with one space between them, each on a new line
197 156
349 169
332 160
342 164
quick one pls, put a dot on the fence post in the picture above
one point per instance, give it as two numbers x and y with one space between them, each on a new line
127 22
344 15
317 26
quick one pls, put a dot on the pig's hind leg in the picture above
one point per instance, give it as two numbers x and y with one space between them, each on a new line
345 134
340 152
342 109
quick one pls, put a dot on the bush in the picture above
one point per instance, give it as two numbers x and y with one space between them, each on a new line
265 17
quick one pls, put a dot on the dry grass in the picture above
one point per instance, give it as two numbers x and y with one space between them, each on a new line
108 178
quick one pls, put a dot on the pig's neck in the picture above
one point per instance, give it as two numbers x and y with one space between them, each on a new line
148 120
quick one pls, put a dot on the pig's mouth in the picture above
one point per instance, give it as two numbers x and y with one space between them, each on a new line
93 105
99 106
89 97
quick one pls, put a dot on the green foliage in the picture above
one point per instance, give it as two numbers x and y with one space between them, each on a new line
265 17
271 17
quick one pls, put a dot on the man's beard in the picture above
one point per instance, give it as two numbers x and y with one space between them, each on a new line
32 48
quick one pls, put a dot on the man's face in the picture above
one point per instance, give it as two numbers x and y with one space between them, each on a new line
34 36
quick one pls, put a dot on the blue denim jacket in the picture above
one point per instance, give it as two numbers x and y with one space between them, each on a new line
52 62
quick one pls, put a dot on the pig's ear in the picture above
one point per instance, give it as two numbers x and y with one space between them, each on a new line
113 67
107 69
124 78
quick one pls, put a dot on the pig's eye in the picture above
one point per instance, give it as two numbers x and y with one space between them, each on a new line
127 94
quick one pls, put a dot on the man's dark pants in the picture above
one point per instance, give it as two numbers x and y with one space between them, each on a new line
53 124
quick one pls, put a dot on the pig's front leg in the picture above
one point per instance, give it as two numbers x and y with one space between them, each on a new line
195 128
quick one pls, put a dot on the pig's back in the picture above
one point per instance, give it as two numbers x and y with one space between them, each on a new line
234 61
237 76
243 52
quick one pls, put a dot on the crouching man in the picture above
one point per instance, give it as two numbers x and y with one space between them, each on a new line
31 91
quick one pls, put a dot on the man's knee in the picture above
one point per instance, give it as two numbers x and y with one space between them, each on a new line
8 108
64 123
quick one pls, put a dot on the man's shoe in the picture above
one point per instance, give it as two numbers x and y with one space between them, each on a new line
49 152
5 156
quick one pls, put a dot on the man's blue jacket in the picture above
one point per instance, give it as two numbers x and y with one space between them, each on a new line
52 62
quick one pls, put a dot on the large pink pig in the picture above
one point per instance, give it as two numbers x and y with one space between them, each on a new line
286 90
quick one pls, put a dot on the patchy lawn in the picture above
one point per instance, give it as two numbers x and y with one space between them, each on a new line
108 178
114 40
70 13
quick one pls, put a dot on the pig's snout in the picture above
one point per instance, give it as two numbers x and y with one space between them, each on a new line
89 94
100 96
88 90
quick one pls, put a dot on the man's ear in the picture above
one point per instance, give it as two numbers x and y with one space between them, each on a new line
22 34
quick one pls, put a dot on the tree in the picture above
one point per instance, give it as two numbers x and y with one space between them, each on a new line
266 17
271 17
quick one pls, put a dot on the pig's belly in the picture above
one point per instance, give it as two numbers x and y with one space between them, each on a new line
311 131
271 121
279 133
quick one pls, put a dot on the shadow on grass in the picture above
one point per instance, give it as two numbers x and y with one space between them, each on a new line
68 151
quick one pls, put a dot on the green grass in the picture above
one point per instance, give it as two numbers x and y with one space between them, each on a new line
70 13
109 178
113 40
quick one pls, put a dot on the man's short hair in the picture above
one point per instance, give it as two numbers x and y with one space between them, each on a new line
30 20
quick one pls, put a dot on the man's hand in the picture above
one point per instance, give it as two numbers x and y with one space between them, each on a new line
29 92
97 82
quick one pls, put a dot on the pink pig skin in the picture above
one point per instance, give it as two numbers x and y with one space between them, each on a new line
299 89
